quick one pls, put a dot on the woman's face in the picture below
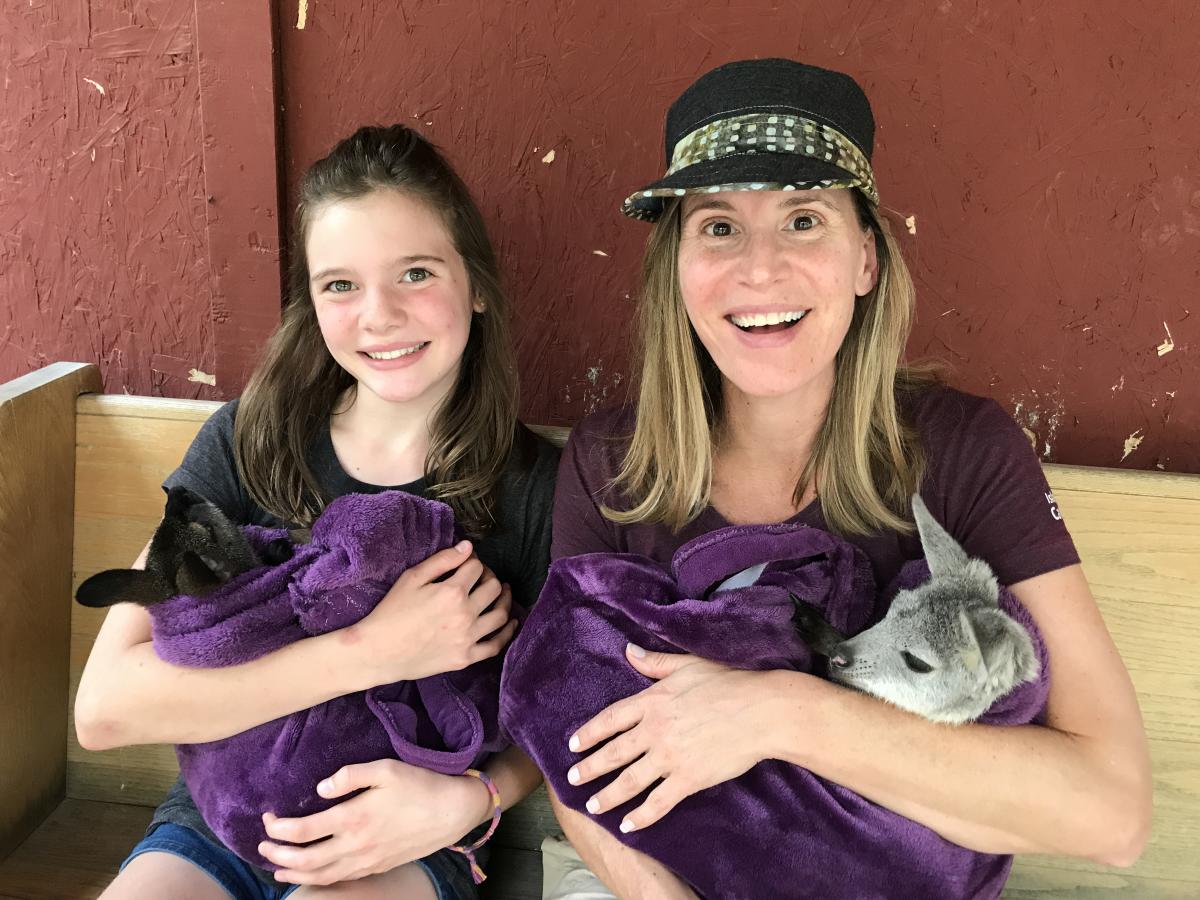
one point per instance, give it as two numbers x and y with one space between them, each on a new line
769 280
392 295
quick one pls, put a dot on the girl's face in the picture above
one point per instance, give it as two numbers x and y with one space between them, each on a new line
769 280
392 295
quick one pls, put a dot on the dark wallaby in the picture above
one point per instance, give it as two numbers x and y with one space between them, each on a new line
195 550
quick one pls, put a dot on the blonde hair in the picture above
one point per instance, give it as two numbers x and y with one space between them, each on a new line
294 391
868 461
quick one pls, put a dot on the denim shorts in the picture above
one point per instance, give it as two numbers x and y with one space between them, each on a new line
449 871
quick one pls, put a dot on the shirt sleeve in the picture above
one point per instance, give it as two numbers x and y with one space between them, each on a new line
535 546
579 525
993 495
209 467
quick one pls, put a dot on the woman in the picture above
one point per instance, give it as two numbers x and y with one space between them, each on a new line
775 308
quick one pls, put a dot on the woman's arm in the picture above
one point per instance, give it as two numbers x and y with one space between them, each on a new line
1079 786
625 871
127 695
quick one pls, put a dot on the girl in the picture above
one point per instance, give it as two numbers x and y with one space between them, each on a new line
391 368
775 309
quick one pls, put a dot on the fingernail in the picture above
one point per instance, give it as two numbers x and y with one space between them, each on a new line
593 806
626 826
325 786
573 743
462 546
573 775
635 650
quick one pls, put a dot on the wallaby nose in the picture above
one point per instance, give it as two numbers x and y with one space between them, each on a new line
841 658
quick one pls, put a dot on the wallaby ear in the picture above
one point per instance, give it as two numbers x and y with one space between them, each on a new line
121 585
943 553
179 501
1006 646
300 535
970 653
194 576
278 551
813 629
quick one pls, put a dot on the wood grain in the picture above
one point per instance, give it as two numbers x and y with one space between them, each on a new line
37 446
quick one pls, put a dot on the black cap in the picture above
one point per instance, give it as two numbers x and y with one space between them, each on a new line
764 124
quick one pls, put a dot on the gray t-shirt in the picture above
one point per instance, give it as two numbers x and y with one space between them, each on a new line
517 550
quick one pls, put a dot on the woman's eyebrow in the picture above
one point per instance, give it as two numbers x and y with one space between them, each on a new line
789 203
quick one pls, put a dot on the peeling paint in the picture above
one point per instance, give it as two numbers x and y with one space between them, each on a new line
97 85
1040 417
911 224
201 377
548 158
1132 443
1120 385
600 253
1168 345
302 15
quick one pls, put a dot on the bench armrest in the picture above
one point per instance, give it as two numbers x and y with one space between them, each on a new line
37 498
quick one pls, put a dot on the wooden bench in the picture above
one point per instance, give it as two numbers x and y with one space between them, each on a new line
79 492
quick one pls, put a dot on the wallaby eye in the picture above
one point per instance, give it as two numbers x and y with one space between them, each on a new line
916 664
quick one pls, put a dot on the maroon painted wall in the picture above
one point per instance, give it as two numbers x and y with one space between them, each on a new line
1046 152
103 254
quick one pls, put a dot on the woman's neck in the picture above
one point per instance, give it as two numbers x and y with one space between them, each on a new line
380 442
763 446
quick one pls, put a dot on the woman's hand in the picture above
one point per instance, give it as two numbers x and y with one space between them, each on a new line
694 729
404 814
425 626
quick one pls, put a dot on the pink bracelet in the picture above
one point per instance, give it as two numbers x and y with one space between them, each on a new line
469 852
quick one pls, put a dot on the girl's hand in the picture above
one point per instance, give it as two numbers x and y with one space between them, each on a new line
699 726
404 814
424 626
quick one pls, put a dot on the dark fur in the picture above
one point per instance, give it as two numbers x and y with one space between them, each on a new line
194 551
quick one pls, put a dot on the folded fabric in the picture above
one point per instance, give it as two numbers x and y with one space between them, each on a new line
777 831
360 545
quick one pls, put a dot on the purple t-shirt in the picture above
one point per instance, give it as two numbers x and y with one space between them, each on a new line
982 482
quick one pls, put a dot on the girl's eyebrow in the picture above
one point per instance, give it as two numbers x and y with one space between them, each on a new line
396 263
724 205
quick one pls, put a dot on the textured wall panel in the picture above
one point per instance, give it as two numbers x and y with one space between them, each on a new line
103 255
1046 153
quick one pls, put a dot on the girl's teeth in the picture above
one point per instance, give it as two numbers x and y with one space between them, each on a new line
396 354
756 319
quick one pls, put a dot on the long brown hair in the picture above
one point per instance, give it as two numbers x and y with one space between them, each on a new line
867 459
297 385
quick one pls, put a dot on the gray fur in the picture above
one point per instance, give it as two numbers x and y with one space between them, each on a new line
952 625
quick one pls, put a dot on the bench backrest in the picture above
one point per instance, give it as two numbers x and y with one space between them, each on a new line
1138 534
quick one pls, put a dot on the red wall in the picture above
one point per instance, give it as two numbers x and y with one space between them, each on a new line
103 254
1047 153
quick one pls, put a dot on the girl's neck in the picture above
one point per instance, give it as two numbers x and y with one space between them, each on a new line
381 442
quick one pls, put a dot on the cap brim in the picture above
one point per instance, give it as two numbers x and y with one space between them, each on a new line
746 172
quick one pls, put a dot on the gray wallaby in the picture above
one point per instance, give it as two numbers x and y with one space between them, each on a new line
945 650
195 550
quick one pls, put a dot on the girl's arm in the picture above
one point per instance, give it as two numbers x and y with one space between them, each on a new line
127 695
1079 786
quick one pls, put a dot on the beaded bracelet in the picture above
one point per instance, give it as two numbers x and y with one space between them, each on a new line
469 852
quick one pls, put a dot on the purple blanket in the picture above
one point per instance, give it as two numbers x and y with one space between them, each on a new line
360 545
778 831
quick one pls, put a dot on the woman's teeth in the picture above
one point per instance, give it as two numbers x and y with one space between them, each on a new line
775 318
396 354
